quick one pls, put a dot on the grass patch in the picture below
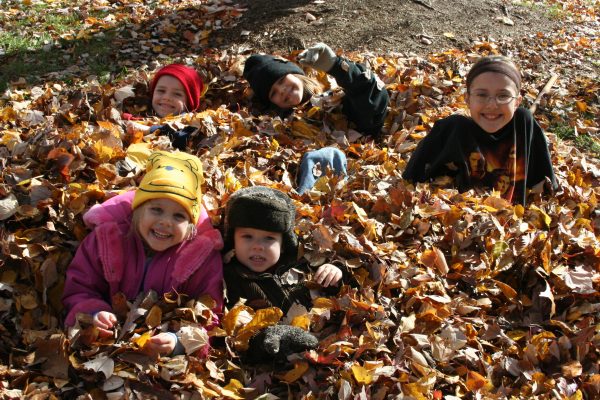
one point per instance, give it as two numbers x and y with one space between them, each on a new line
66 59
42 40
585 143
39 26
551 10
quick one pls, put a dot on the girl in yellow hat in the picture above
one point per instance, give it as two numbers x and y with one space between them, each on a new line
157 237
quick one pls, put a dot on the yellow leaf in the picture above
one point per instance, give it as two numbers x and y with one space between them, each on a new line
416 390
232 390
546 256
362 375
322 185
230 319
545 218
323 302
10 139
576 396
139 153
313 110
110 127
263 318
231 182
105 153
519 211
142 340
517 335
274 145
106 174
301 321
300 369
304 130
7 114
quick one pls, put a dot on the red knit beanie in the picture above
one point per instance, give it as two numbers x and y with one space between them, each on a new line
189 78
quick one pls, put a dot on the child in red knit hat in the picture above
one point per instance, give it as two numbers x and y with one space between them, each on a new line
175 89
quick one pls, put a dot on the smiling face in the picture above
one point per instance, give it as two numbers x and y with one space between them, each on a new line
162 223
486 112
257 249
287 91
169 96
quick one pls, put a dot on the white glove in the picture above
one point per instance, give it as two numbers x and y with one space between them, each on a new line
320 57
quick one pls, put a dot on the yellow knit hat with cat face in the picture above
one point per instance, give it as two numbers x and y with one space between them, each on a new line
174 176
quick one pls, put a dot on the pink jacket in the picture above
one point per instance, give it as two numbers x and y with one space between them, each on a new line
111 259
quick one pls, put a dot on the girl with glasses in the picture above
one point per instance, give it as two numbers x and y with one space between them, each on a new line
500 146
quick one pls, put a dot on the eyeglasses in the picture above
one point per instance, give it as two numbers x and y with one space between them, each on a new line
499 99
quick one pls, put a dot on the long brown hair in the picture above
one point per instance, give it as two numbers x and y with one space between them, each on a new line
311 87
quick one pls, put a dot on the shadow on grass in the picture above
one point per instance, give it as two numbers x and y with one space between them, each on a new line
68 60
110 52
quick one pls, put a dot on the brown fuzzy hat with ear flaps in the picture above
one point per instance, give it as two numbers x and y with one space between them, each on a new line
263 208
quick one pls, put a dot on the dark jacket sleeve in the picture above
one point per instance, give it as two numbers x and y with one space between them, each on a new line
366 98
179 138
233 285
427 155
539 161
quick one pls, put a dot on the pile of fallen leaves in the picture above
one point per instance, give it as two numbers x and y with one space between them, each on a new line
462 295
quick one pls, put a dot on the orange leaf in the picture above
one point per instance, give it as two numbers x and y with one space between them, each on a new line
435 258
110 127
475 381
508 291
62 159
581 106
362 375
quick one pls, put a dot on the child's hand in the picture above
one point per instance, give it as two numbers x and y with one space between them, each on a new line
105 321
319 56
133 127
328 275
161 344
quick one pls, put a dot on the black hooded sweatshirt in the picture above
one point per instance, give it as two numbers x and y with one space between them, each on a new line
511 160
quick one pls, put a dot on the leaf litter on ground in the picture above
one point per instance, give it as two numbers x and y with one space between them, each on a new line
462 295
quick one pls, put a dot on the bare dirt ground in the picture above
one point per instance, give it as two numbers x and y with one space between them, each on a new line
380 26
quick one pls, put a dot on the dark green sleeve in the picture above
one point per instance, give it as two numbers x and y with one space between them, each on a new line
366 98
